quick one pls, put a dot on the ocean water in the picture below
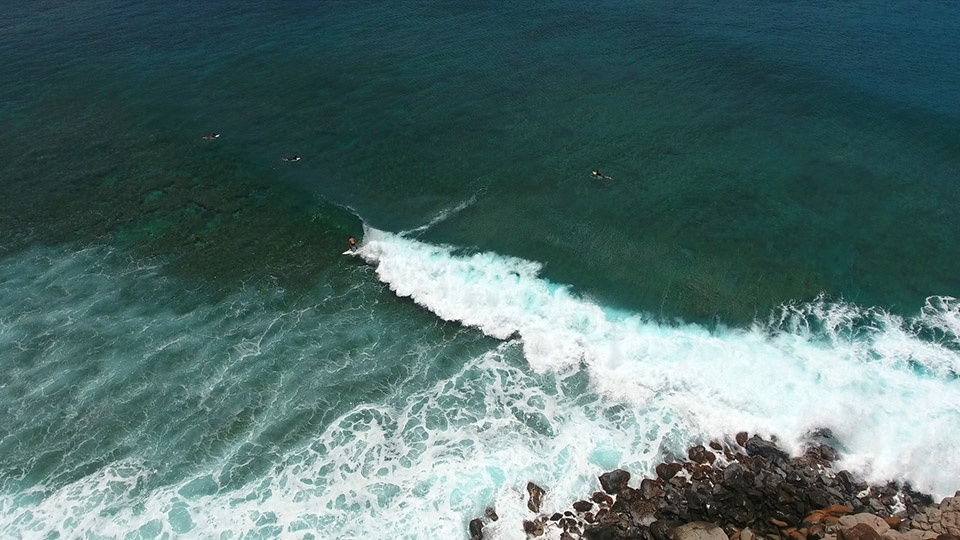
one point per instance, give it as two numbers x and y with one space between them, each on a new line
185 352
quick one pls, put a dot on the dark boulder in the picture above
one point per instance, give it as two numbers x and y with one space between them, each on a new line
699 454
650 489
476 529
600 497
583 506
733 476
533 528
536 496
827 453
614 481
666 471
758 447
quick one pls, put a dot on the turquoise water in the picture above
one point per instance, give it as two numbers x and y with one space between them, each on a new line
186 353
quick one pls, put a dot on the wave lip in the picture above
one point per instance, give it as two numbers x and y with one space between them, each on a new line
501 296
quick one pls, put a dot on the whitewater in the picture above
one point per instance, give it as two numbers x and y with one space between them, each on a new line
887 387
573 389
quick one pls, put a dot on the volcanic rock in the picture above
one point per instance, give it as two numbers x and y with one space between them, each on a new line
536 497
614 481
476 529
666 471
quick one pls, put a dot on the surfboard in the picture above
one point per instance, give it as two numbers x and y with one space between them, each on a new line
349 252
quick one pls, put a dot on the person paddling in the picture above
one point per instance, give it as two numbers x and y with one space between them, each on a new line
211 137
597 174
291 158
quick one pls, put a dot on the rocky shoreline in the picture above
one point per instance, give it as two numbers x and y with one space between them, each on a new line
749 489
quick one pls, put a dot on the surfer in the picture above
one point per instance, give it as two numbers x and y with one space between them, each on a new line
211 137
291 158
353 243
597 174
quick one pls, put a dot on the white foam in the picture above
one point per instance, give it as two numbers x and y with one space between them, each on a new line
417 467
606 389
856 373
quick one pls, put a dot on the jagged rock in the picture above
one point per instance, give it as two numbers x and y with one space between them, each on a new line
491 514
817 498
536 497
583 506
742 438
698 530
758 447
476 529
733 475
650 489
754 488
533 527
612 482
642 512
699 454
600 497
610 526
844 478
666 471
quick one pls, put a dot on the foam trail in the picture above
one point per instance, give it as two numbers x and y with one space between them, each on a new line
890 395
443 215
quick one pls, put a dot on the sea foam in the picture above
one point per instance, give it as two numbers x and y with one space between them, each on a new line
573 390
887 387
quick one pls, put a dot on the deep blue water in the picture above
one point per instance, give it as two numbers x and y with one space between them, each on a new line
185 351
